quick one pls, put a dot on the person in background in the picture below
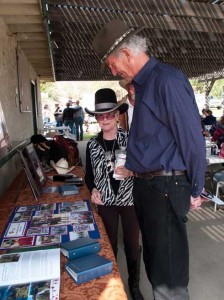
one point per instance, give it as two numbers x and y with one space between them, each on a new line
67 116
58 114
166 152
113 197
218 135
79 119
209 118
125 119
46 114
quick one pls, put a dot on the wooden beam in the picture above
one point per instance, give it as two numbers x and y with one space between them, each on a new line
37 36
37 60
18 2
41 66
19 9
36 51
14 28
22 19
30 56
33 45
44 72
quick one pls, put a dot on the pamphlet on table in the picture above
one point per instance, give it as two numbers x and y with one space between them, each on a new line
28 275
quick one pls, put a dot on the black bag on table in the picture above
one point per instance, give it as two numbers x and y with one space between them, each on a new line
42 147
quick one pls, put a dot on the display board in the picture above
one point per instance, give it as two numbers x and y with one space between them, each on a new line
49 224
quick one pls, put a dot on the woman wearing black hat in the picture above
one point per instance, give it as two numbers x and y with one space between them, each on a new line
113 197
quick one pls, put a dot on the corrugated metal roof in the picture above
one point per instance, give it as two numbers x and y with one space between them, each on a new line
187 34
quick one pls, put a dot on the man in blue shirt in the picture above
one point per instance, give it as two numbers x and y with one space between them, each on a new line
166 152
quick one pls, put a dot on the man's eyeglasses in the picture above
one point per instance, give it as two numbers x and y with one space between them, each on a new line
108 116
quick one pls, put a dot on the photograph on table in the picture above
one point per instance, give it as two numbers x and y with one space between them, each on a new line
46 224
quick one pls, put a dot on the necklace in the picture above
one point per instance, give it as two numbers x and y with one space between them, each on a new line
109 156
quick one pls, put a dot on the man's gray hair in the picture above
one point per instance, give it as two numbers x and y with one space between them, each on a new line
136 43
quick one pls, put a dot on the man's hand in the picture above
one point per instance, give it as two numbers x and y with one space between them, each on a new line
195 202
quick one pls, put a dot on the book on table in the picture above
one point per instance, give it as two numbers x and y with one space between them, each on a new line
80 247
30 274
89 267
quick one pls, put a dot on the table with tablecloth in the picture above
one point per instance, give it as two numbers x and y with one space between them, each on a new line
104 288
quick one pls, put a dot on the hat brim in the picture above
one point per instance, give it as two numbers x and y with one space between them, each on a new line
104 65
61 170
122 107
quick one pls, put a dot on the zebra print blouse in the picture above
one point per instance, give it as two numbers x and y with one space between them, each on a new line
97 174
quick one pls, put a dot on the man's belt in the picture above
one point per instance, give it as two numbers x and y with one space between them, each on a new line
150 175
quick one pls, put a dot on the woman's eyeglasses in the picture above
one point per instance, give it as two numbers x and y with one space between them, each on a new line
108 116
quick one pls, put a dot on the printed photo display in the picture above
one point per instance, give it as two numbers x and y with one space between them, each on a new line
46 224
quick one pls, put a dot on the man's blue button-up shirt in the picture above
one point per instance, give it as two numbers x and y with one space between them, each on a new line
166 131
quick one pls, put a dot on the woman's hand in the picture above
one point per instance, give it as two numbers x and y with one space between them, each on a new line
123 172
96 197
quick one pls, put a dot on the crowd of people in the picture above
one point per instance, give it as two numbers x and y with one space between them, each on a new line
213 128
72 116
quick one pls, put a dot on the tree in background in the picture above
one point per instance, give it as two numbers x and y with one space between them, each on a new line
217 89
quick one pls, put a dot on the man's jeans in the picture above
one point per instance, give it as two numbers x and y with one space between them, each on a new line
161 205
70 123
79 128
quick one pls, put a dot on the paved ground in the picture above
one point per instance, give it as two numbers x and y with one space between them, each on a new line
206 239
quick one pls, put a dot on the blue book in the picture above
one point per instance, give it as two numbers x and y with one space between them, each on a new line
80 247
88 267
66 190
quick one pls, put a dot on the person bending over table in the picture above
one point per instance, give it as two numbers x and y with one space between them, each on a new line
113 197
166 152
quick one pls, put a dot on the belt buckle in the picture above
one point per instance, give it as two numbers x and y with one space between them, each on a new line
151 176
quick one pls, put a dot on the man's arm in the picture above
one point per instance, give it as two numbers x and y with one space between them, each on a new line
184 121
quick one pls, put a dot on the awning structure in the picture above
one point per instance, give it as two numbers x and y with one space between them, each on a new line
26 23
188 34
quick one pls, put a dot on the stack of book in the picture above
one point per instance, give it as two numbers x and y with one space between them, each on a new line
84 262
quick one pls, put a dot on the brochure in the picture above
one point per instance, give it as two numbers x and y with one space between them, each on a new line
31 273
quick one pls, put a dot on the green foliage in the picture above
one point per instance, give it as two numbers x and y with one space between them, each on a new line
217 89
76 89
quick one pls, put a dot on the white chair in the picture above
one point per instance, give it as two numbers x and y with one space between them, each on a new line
219 178
219 184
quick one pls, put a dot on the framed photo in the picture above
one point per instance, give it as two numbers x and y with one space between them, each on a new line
33 169
35 189
35 166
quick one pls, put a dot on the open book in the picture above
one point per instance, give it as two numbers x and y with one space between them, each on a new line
31 273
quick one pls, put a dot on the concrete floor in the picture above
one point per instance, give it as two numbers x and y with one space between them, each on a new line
206 240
